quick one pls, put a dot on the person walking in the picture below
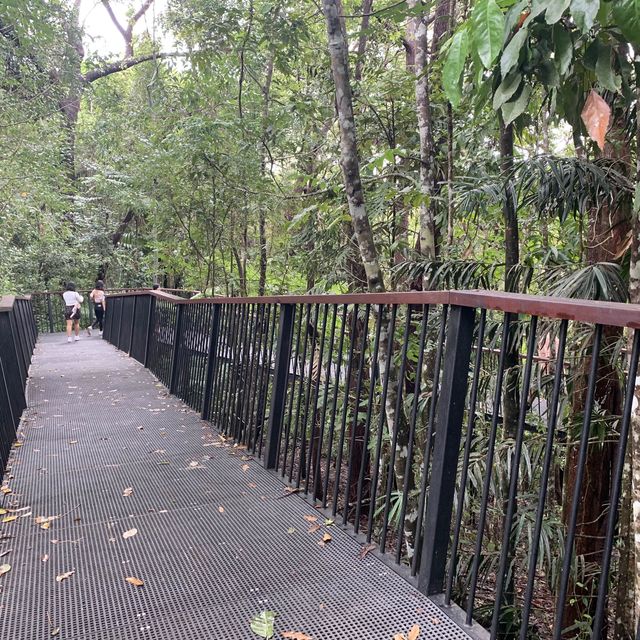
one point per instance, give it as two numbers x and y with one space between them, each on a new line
72 302
99 299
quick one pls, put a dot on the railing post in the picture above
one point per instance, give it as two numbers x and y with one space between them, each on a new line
446 450
121 305
176 345
49 312
133 323
150 322
211 360
280 382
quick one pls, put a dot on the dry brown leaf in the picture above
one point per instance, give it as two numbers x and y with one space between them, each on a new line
9 518
45 525
127 492
414 632
245 467
313 528
136 582
326 537
311 518
399 636
6 490
295 635
366 550
130 533
221 509
596 115
435 620
64 576
4 568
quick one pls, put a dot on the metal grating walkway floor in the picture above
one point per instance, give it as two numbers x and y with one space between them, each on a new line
216 543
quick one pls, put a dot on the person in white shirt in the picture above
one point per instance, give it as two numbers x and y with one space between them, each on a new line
72 302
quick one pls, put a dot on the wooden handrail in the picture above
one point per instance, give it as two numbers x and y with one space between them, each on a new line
617 314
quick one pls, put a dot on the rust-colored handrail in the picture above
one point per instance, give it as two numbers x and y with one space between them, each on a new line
617 314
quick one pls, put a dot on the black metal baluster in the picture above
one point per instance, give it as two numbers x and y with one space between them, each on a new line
345 408
497 399
428 442
292 394
575 505
354 423
506 550
221 359
367 421
316 393
275 321
261 356
294 441
396 427
552 413
616 488
381 422
334 406
408 473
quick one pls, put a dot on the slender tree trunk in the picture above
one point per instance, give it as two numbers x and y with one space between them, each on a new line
608 230
348 146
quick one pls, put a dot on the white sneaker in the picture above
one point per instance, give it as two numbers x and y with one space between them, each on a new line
69 339
77 338
89 331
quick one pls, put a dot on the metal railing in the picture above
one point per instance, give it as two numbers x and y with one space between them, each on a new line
18 335
49 306
459 433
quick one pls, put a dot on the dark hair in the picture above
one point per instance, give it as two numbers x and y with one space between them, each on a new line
99 285
71 286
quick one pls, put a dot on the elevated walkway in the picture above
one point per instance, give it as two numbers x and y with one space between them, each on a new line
104 450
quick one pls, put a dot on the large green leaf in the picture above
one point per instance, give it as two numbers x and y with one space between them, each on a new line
262 624
563 48
511 53
555 10
487 23
454 65
511 110
626 13
512 17
604 70
506 89
584 13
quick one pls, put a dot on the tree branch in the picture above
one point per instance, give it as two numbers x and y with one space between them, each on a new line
138 14
116 236
124 32
123 65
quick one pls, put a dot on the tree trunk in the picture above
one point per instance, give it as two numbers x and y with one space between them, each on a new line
608 230
348 146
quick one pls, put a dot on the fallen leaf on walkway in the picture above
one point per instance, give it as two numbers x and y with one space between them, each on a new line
64 576
245 458
130 533
245 467
291 530
4 568
6 490
262 624
45 557
18 444
45 525
136 582
366 550
296 635
2 512
55 632
435 620
414 632
310 518
399 636
313 528
73 442
221 509
9 518
329 521
326 537
127 492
